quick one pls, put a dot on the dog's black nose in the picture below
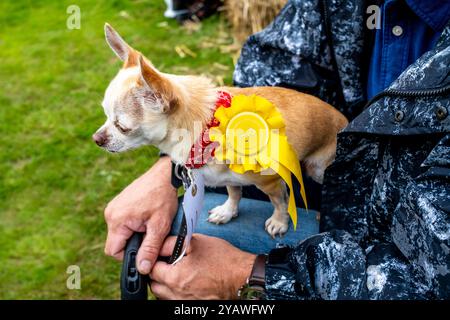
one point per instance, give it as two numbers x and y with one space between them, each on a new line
100 138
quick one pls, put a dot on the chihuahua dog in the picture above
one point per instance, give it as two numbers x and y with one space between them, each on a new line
144 106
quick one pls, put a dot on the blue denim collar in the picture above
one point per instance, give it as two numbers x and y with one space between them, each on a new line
435 13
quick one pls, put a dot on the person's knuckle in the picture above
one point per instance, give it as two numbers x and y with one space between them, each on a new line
108 212
150 248
173 279
116 218
160 226
153 231
164 227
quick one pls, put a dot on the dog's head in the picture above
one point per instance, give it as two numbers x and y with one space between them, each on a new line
137 101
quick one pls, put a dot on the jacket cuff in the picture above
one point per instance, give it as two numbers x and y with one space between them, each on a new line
280 277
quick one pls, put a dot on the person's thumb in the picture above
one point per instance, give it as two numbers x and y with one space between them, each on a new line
149 250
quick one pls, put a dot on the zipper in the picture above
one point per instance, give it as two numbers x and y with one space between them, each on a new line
420 93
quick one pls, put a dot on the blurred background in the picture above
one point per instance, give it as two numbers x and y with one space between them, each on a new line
54 181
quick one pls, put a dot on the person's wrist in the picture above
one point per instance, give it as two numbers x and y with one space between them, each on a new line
164 163
242 273
159 177
175 173
255 286
163 167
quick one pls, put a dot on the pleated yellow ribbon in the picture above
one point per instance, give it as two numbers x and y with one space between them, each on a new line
252 137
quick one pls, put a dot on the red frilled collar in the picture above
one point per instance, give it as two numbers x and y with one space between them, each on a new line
203 149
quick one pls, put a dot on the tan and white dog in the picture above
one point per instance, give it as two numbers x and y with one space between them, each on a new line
147 107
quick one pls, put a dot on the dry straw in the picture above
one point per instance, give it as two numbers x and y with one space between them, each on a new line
250 16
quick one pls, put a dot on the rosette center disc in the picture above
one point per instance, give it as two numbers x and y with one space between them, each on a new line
247 133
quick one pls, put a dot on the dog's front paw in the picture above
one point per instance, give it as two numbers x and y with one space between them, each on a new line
277 226
222 214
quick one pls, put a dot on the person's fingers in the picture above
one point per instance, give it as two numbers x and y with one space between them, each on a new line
161 291
116 241
167 248
169 244
152 243
161 272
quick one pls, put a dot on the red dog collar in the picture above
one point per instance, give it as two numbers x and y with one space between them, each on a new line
203 149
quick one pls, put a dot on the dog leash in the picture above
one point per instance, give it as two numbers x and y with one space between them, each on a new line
185 175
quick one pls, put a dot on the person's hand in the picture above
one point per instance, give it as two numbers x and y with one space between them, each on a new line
148 205
211 269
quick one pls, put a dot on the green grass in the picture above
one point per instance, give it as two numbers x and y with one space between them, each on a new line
54 181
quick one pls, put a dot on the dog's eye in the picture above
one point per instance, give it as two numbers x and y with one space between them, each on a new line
121 128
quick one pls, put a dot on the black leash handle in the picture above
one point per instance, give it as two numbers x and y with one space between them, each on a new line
133 285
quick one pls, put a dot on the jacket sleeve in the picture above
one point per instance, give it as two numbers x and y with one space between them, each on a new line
290 52
414 265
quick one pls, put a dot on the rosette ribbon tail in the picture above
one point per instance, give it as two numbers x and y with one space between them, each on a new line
285 162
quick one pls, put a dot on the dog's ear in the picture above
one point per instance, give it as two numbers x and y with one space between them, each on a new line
159 85
117 44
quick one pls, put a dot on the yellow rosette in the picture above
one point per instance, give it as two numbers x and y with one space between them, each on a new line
252 137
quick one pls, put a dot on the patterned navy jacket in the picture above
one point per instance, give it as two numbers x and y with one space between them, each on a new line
385 223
